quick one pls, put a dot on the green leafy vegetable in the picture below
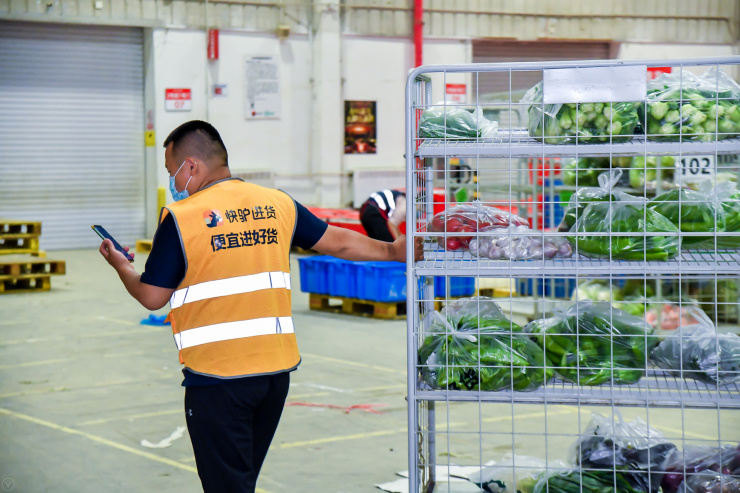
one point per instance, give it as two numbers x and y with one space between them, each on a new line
685 106
593 343
579 122
473 346
610 221
691 212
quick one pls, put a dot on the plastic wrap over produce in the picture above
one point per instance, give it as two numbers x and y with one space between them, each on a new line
453 122
701 353
514 473
579 122
723 460
635 449
605 192
585 171
692 212
710 483
489 232
594 233
577 481
471 345
685 106
592 343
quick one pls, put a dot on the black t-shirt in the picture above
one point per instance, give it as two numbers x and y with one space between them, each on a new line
165 267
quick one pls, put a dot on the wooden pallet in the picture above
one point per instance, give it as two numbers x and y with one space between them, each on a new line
11 226
496 292
143 246
25 284
18 243
14 266
353 306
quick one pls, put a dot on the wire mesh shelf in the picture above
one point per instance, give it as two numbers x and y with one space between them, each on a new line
658 389
687 263
516 142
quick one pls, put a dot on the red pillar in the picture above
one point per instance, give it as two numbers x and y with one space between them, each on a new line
418 31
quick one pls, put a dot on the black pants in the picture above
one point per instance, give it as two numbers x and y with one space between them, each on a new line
231 426
374 223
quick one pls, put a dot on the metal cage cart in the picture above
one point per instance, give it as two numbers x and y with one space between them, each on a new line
620 371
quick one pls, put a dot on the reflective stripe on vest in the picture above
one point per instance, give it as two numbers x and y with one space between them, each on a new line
226 287
233 330
389 204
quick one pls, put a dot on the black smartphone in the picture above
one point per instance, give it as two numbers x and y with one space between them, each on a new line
106 236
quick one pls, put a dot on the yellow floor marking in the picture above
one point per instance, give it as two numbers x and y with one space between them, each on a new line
105 441
530 415
354 363
686 433
30 341
14 322
96 385
303 396
119 355
341 438
102 333
133 416
95 438
35 363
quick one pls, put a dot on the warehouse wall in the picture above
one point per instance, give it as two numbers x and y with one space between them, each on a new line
375 69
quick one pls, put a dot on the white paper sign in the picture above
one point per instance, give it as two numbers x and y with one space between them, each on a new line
178 100
262 88
595 84
694 169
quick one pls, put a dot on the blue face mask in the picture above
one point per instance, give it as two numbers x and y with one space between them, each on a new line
177 196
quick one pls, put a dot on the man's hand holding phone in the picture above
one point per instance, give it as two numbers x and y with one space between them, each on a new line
116 255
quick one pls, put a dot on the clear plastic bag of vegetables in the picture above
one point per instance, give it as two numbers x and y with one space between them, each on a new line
708 482
578 481
585 171
701 353
519 243
596 290
623 231
592 343
684 106
471 345
692 212
446 121
696 459
492 233
635 449
588 195
462 222
514 474
579 122
643 173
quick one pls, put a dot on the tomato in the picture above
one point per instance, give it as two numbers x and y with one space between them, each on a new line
454 225
453 244
438 223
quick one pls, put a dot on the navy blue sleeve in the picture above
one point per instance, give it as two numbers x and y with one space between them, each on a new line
308 228
165 267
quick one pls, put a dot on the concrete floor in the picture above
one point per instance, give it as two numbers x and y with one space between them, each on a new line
82 383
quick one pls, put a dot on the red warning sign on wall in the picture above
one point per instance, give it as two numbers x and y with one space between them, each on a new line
213 44
178 100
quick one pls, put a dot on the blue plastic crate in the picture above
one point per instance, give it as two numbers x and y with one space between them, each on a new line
314 273
555 288
381 281
342 278
459 286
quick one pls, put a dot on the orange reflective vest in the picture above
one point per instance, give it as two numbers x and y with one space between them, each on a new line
231 313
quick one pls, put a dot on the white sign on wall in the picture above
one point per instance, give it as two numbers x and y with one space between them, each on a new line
178 100
262 88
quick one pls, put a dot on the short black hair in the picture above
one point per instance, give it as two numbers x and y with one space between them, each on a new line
197 138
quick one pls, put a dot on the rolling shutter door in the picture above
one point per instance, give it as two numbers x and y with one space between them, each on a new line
71 123
488 51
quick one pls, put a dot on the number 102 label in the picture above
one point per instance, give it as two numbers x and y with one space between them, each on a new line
692 169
